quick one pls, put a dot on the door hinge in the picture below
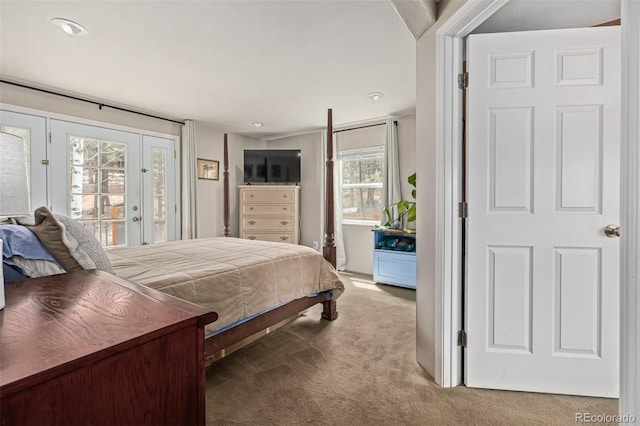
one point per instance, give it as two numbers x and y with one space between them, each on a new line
463 208
50 137
143 170
175 154
44 162
463 80
462 338
176 207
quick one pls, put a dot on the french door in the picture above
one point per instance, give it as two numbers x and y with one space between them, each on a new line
158 190
95 178
118 184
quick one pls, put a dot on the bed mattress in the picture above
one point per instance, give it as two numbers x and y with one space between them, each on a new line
234 277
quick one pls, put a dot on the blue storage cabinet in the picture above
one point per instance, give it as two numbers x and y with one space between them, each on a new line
394 258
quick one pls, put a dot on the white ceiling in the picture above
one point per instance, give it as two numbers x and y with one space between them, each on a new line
226 63
524 15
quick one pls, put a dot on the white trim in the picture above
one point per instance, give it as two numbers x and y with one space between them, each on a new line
449 57
630 251
356 222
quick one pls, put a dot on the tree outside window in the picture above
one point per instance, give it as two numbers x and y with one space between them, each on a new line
361 173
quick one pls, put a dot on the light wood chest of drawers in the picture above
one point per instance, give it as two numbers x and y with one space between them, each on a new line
270 213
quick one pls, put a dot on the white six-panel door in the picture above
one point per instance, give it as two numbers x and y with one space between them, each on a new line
542 291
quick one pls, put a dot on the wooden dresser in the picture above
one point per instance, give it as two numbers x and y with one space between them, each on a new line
90 348
270 212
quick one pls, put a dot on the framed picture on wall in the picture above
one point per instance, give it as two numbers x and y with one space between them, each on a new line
208 169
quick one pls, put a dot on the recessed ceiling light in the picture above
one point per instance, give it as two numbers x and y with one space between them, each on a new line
257 124
374 96
70 28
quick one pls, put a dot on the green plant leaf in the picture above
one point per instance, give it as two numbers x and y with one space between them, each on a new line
403 206
411 216
387 217
413 193
412 179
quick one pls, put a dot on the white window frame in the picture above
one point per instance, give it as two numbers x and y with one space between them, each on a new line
359 154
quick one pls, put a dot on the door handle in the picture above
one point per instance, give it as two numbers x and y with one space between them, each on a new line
612 231
252 222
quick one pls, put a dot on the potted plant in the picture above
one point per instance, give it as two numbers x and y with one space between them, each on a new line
400 214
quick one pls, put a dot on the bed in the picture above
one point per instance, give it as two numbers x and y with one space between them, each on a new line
251 285
241 280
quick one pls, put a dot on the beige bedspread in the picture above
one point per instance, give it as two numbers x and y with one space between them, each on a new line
234 277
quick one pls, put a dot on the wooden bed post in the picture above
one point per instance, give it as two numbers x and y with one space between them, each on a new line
329 249
226 187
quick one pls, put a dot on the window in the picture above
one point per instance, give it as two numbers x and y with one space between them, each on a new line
361 172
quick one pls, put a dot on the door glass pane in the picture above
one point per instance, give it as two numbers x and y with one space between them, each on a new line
84 180
159 165
113 155
84 207
113 233
113 181
25 134
98 188
84 151
113 207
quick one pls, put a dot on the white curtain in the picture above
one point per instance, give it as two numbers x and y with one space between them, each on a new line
341 255
392 192
188 156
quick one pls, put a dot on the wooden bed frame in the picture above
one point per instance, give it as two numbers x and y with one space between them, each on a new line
216 343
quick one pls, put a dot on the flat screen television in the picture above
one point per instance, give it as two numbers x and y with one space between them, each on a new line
272 166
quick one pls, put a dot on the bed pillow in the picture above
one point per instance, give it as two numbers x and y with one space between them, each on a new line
23 253
34 268
73 245
20 241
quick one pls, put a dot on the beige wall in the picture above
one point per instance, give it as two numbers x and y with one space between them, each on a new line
28 98
210 193
312 183
358 239
426 188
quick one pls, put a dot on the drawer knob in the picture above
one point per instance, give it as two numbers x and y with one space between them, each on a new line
251 237
250 208
284 238
284 222
251 196
285 196
252 222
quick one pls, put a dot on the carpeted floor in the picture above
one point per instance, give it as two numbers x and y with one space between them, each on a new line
361 370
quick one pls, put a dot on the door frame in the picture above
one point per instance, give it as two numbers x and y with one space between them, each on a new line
448 306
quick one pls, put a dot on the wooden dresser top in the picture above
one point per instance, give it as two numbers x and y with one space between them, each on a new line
54 324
